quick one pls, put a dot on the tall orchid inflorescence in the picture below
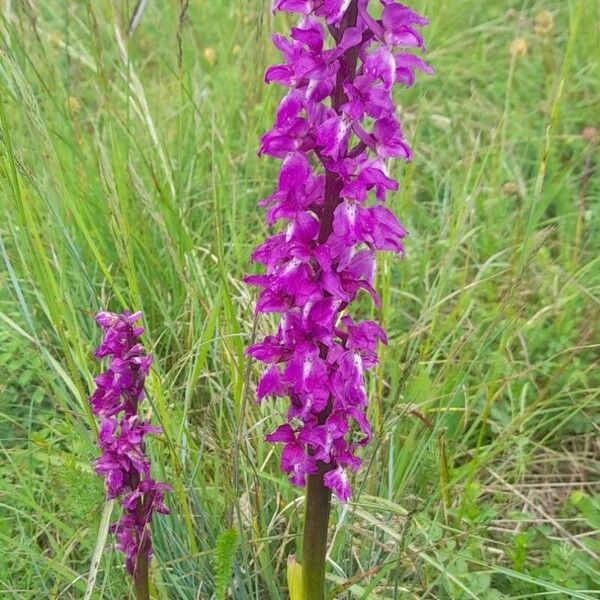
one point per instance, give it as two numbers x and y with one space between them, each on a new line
123 463
334 131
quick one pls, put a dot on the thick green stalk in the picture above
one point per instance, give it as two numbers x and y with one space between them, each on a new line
140 572
314 547
140 577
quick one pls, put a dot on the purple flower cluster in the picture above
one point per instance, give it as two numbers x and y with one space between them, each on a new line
334 130
123 463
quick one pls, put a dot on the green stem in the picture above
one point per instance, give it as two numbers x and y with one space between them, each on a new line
314 546
140 577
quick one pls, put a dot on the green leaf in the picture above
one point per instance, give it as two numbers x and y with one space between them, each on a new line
225 550
294 578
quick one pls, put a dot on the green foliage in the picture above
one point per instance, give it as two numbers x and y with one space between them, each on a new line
129 179
227 545
82 491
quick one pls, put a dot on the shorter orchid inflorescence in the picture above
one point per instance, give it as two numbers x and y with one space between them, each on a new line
123 463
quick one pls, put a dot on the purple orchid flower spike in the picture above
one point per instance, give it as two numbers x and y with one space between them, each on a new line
335 131
123 462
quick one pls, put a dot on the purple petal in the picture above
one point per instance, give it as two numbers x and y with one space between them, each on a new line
270 383
297 464
293 6
333 10
337 481
284 434
381 65
331 136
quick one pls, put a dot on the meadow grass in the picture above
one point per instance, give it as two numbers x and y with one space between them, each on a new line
129 179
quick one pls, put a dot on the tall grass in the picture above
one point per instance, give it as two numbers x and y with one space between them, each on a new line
128 179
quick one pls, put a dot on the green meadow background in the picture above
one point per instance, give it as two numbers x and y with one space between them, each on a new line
129 179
